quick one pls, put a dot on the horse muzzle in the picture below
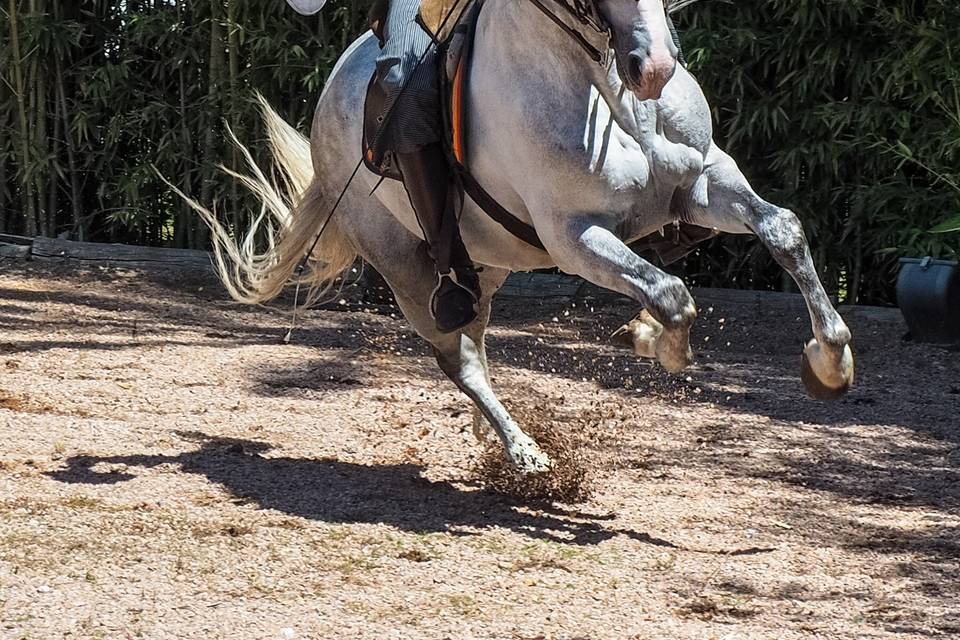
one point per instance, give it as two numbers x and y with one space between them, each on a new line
647 74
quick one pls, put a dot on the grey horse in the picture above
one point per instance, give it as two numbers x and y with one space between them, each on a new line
593 156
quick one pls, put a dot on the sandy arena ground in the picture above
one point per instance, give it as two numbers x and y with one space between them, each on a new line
170 469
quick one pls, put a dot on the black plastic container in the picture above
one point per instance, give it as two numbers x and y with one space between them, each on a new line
928 294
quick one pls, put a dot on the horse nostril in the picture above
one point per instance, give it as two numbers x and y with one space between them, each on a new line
635 68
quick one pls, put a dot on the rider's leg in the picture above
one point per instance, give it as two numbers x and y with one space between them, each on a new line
414 132
425 176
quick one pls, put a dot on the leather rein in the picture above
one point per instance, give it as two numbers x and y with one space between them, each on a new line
587 14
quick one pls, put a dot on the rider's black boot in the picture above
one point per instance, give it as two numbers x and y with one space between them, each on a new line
427 180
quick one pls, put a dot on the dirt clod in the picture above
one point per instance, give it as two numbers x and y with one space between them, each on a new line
566 442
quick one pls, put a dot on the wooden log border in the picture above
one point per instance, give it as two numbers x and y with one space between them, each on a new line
58 250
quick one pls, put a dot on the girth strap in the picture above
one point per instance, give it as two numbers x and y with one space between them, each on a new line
495 210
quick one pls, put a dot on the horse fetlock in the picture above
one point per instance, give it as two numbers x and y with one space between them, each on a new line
826 373
835 336
672 304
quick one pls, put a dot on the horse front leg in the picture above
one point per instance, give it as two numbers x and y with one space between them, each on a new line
827 364
586 247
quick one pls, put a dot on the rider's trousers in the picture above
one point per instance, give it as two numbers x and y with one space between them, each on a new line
415 120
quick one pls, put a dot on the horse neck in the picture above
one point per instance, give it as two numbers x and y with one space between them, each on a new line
534 42
535 48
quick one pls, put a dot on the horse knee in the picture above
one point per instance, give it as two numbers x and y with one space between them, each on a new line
781 231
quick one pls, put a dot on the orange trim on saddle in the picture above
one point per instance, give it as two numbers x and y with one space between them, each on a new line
456 108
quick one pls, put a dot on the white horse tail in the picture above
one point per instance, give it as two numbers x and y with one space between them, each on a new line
256 266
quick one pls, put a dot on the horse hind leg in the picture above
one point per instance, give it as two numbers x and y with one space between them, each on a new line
827 364
462 357
403 262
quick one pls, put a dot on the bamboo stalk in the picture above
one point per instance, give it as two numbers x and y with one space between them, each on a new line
233 47
29 212
53 185
41 139
184 219
61 98
213 92
5 112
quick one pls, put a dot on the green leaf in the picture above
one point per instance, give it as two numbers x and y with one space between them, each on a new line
950 225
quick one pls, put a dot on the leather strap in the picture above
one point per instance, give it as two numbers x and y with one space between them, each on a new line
495 210
595 54
457 112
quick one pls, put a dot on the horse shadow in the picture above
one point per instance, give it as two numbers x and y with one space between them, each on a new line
334 491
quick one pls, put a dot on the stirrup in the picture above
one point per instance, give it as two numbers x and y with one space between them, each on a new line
455 279
467 307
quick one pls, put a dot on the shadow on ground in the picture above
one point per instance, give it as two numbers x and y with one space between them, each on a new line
747 363
334 491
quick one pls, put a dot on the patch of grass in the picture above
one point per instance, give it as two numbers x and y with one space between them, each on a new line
230 529
350 564
466 606
665 561
415 555
25 404
22 404
539 564
294 524
83 502
11 403
358 607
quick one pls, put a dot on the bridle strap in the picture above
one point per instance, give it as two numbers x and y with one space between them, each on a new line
595 54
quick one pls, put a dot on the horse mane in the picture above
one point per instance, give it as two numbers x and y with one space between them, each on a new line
676 5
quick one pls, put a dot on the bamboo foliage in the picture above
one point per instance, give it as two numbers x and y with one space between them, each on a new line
844 111
93 93
848 112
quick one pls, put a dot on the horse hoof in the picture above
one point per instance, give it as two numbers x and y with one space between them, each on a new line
674 360
817 384
640 335
676 365
530 460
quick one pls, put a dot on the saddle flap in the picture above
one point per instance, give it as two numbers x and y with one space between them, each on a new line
377 159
